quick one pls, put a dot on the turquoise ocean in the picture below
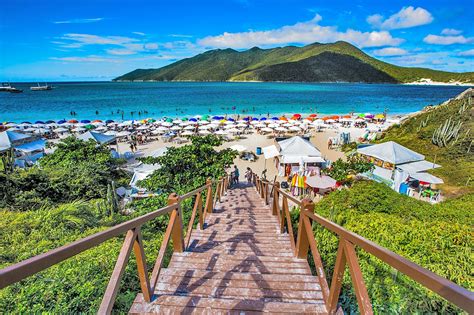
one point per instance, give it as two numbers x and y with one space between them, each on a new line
108 100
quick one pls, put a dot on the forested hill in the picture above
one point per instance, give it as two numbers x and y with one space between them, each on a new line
336 62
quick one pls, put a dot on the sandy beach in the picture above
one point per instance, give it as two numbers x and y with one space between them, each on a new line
251 142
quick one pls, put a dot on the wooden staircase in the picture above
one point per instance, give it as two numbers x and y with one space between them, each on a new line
239 263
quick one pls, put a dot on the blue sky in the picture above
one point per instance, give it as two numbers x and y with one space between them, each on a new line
101 39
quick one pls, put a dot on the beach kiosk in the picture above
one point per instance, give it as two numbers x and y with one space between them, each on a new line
296 154
394 164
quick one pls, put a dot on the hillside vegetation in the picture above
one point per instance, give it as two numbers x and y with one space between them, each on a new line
445 135
335 62
437 237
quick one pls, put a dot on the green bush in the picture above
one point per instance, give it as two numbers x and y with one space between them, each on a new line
437 237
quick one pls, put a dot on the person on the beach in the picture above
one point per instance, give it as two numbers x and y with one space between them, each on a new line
329 143
248 175
131 146
236 174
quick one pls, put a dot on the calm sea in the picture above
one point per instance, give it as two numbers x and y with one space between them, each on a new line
107 100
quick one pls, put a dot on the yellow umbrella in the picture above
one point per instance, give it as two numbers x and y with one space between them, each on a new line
379 116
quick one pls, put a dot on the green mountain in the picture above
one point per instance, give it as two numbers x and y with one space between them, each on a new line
336 62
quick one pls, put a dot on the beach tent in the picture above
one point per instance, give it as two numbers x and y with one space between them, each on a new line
418 166
141 172
9 139
426 177
270 152
97 137
297 152
391 152
158 152
29 147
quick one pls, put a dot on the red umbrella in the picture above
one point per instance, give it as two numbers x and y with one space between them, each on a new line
313 115
73 121
97 120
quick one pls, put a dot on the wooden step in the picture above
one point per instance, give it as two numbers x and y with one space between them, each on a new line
167 304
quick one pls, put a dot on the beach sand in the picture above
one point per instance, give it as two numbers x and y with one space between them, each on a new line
251 142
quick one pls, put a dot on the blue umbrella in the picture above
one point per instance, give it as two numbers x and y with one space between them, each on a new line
85 121
216 117
246 119
50 121
62 121
254 118
108 121
275 118
231 119
26 122
39 122
263 118
193 119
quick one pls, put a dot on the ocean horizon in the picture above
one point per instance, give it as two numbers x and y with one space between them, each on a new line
139 100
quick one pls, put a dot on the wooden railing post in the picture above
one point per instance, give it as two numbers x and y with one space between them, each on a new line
177 232
209 203
266 192
113 286
276 199
337 277
302 242
141 266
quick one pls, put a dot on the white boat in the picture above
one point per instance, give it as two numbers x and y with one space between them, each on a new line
45 87
6 87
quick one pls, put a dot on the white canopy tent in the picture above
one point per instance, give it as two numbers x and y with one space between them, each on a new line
391 152
297 150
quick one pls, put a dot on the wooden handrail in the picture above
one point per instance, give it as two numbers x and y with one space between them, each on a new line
133 241
346 255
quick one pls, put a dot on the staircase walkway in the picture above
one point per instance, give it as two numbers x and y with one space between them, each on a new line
239 263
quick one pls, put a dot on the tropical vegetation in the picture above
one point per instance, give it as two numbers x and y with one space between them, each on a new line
334 62
30 228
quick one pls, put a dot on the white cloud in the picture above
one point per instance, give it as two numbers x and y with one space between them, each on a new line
407 17
151 46
181 35
88 39
121 52
450 31
139 33
85 59
390 51
467 53
303 33
79 21
446 40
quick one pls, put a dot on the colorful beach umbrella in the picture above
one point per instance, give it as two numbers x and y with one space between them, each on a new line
313 115
72 121
85 121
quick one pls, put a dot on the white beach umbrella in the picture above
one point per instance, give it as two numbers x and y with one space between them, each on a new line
110 133
189 127
30 129
176 128
206 127
123 133
281 129
11 124
221 132
254 122
198 117
143 127
229 122
187 133
60 130
241 125
204 132
111 124
177 121
233 130
330 121
100 128
295 128
203 122
167 124
260 125
287 124
273 126
184 123
266 129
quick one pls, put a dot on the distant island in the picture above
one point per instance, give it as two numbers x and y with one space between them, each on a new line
335 62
